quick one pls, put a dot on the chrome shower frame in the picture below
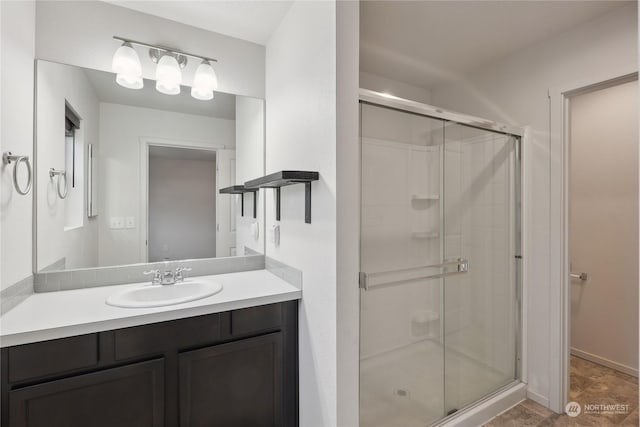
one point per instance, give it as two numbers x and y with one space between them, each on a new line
404 105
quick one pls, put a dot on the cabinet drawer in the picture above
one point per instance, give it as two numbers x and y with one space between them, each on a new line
148 340
256 319
52 357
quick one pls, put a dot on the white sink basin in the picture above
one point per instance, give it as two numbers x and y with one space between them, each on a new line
161 295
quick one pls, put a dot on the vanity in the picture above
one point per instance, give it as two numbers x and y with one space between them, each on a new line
229 359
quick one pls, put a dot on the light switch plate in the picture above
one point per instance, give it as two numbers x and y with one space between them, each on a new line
116 222
274 234
130 222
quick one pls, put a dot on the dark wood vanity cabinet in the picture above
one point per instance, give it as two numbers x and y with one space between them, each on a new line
237 368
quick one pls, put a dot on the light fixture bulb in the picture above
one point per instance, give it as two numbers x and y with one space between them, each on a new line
130 82
205 81
201 95
126 65
168 75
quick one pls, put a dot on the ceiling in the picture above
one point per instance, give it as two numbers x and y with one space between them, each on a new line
222 106
424 43
250 20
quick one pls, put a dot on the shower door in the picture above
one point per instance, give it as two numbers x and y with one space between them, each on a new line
438 266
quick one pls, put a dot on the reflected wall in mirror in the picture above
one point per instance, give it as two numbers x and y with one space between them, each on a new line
129 176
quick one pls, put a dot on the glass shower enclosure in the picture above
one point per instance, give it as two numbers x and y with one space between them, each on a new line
440 261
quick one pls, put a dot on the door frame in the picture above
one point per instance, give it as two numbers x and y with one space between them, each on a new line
559 296
145 143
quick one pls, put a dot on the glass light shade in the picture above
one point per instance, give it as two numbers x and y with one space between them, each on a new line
126 61
205 81
126 64
168 75
130 82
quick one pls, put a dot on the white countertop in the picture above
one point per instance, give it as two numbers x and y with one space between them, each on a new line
52 315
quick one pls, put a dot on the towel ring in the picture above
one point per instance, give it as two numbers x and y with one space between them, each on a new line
60 174
7 158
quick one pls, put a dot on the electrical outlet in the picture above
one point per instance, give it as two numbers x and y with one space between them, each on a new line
116 222
130 222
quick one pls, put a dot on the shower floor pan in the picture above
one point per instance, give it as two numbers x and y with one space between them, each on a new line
406 387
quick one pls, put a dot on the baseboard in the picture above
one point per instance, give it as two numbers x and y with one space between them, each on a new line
538 398
488 409
604 362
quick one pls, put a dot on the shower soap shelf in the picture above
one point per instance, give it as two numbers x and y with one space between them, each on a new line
240 189
425 234
282 179
417 198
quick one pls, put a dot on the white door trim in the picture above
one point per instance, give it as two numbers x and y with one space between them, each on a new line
559 309
145 143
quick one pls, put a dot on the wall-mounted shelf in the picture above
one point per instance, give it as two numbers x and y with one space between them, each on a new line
427 197
241 189
282 179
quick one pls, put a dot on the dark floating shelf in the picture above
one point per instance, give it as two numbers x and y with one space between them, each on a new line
241 189
282 179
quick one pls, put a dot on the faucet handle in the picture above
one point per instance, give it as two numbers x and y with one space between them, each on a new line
157 277
178 275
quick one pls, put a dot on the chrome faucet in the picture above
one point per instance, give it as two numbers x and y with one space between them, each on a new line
167 277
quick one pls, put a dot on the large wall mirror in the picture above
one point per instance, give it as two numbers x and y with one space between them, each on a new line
131 176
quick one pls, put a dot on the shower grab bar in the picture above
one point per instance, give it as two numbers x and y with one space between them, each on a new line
372 280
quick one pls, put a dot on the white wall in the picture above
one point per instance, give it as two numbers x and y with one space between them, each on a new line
17 48
122 130
56 84
400 89
249 165
182 208
312 124
301 135
515 90
603 225
80 33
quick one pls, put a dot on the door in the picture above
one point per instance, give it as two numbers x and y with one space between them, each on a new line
128 396
234 384
479 225
603 226
438 266
226 214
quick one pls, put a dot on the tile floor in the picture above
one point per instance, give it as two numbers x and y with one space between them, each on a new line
590 384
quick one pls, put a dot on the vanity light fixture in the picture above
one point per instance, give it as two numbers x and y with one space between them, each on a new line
170 63
126 65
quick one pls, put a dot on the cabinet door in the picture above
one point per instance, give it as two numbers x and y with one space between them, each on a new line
128 396
234 384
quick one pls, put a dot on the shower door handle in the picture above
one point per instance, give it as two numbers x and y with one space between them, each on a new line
373 280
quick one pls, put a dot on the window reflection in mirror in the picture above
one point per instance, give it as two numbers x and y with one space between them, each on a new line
153 163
